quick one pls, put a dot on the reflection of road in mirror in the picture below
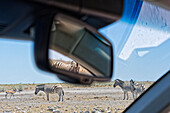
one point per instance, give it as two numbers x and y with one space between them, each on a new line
62 62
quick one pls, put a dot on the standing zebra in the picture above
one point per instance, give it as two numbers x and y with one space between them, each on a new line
138 88
125 87
50 89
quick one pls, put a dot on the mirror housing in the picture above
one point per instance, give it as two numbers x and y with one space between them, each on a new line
42 39
87 34
86 52
81 33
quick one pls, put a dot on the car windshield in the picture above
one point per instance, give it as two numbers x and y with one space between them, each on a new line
141 40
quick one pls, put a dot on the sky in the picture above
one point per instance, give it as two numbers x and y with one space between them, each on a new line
58 56
143 56
18 65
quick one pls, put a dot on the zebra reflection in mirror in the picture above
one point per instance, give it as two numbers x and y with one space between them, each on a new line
138 88
73 66
50 90
125 88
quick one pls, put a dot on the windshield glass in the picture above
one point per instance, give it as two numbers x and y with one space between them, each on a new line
141 40
142 54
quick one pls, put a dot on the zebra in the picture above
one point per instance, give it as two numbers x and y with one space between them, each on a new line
59 65
62 65
50 89
138 88
125 87
10 92
73 66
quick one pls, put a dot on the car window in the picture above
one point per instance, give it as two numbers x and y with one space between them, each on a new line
143 56
141 50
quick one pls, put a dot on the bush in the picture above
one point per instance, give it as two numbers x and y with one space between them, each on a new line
20 88
2 89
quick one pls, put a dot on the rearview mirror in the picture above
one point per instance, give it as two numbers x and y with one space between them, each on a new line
78 51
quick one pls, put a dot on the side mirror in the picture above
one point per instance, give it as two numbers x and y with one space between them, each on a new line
76 52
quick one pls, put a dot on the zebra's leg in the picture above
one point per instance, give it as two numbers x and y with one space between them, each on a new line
62 98
59 97
127 96
124 95
133 95
47 96
62 95
136 95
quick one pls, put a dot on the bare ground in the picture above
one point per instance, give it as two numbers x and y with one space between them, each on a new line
97 98
101 99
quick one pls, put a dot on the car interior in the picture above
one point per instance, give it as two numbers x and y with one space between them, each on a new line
94 49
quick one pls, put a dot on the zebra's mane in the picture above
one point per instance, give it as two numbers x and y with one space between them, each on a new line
40 86
48 86
120 81
131 81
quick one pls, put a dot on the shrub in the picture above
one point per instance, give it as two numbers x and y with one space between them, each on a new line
2 89
20 88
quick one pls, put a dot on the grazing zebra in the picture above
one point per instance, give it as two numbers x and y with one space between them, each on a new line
138 88
125 87
10 92
50 89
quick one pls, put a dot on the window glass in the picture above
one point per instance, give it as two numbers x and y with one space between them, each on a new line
142 53
141 57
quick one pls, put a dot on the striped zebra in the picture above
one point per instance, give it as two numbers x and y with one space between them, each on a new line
125 88
62 65
50 90
73 66
138 88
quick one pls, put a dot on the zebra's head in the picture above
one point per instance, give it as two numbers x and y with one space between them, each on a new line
118 82
38 88
143 88
132 82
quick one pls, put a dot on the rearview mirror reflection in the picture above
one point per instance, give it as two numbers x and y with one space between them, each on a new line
59 61
77 48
